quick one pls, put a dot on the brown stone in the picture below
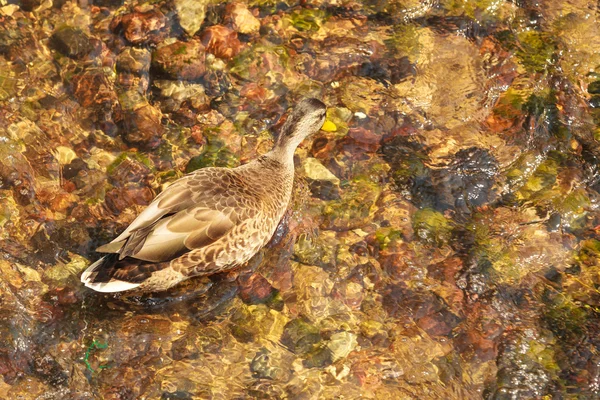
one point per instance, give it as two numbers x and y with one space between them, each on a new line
221 41
180 60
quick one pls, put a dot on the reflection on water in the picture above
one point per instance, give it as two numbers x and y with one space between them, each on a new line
443 241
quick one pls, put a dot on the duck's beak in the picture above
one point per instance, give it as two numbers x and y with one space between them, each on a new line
329 126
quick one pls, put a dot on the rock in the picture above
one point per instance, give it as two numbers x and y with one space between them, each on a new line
30 5
93 89
333 58
191 14
221 41
134 60
467 182
431 226
255 289
143 126
241 19
71 170
95 92
141 27
391 71
180 60
129 167
118 199
133 67
107 3
594 87
177 92
261 366
72 42
353 209
300 336
429 312
341 344
323 184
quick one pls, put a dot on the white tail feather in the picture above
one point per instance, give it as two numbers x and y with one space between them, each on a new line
113 285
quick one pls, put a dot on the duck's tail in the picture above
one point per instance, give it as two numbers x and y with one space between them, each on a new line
100 276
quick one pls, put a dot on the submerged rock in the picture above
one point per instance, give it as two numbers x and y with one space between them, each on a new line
468 181
72 42
134 60
133 67
353 209
95 92
242 19
143 126
180 60
323 184
221 41
141 27
191 14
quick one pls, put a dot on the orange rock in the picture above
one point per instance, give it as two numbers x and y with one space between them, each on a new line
221 41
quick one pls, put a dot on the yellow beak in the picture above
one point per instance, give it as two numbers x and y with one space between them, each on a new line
329 126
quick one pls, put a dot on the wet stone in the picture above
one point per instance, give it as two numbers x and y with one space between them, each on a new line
335 58
72 42
323 184
191 14
134 60
30 5
430 312
71 170
143 126
594 87
388 72
255 289
242 19
300 336
261 366
221 41
141 27
180 60
118 199
129 168
107 3
468 182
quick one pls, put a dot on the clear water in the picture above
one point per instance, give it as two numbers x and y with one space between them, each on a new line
451 251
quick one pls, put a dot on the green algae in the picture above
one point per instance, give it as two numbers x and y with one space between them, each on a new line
405 40
354 207
431 226
307 20
536 50
215 154
134 156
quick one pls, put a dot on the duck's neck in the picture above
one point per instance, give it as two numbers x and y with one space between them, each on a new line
283 152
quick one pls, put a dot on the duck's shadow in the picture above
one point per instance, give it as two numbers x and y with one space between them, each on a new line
197 299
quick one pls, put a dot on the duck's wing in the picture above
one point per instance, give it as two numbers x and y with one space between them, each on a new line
195 202
175 234
176 197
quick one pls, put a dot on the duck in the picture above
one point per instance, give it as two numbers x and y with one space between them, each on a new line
209 221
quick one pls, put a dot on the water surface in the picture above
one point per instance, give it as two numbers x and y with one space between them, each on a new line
443 241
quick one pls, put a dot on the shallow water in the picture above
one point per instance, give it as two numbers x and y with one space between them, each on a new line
443 241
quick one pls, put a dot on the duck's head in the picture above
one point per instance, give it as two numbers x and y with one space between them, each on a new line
306 118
